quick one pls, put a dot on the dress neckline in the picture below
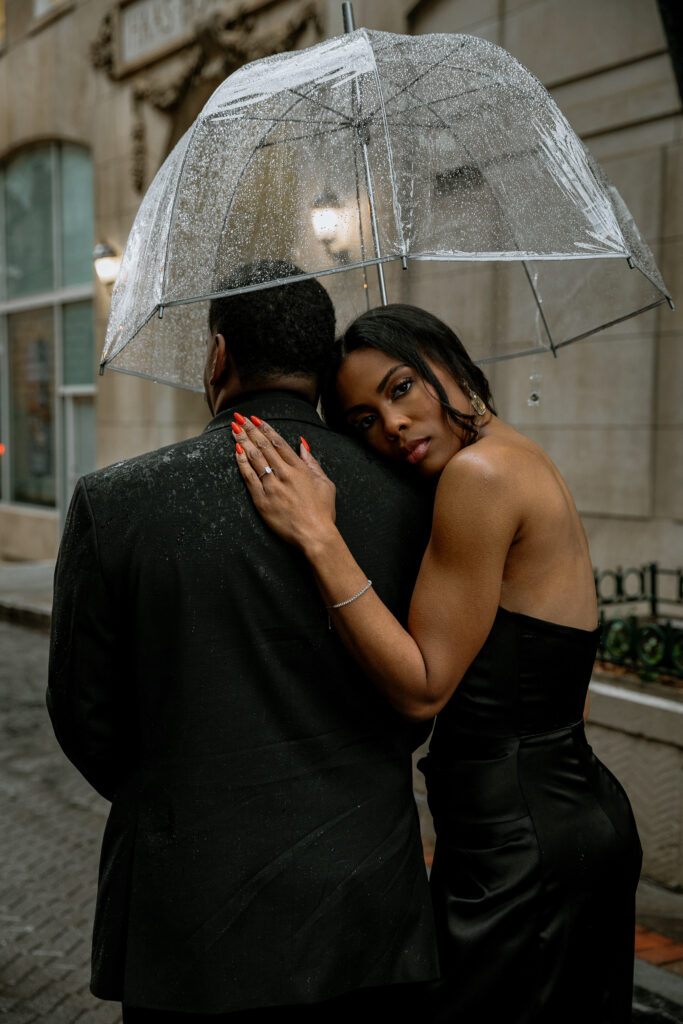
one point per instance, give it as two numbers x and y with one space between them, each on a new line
550 625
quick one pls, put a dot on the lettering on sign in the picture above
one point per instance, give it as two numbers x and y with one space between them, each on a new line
148 26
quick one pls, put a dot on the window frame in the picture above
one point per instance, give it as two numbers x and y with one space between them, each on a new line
56 298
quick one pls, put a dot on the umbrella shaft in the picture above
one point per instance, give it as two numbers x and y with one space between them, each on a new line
347 17
349 26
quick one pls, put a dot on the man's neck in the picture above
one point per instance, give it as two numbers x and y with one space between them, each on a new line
303 387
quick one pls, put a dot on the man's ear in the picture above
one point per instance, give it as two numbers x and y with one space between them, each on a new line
219 358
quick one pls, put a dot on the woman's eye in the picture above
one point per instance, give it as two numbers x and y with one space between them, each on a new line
402 388
365 423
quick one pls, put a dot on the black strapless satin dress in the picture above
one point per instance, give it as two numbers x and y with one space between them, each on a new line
537 855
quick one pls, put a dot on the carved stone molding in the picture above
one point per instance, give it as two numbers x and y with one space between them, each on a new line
102 46
215 48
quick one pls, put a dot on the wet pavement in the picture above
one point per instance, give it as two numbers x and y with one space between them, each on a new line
49 842
26 592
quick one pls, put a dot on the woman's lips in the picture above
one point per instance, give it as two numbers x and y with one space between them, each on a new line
417 451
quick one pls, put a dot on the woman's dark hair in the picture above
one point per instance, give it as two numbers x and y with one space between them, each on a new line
411 335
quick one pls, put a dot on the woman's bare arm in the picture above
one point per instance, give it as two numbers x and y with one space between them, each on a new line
458 588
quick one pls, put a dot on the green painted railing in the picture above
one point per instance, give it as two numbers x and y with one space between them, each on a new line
647 640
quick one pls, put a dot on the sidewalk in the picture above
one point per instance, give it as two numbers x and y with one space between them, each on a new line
26 593
26 599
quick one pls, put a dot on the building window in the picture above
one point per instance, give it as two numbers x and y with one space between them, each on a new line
46 324
31 374
29 224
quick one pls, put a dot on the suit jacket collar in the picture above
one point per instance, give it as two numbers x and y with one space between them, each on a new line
268 404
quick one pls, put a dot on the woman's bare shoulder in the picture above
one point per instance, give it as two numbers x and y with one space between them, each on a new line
479 492
492 462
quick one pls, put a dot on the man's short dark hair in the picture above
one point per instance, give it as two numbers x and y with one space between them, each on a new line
272 332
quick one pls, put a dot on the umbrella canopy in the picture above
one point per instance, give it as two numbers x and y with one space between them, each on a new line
378 149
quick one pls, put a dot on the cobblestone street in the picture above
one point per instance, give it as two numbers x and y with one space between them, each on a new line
49 842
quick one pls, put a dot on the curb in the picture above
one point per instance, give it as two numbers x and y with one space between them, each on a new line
657 994
33 616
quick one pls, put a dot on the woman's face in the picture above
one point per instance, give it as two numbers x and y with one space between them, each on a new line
397 413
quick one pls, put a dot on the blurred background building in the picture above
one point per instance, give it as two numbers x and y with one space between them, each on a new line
94 94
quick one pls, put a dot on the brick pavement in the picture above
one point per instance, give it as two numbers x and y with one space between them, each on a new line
660 950
49 843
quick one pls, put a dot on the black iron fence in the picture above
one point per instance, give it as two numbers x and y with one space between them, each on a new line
646 633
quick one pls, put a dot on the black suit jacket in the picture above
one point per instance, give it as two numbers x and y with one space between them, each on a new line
262 846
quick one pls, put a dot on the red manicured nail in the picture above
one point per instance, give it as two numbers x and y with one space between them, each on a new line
256 421
239 449
236 429
240 418
304 443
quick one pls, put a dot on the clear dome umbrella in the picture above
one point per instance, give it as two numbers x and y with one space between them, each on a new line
366 157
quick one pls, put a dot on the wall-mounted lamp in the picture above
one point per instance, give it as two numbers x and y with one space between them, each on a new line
332 225
107 263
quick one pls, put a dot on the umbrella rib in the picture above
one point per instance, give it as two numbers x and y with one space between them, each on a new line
172 214
253 117
423 74
510 355
539 305
399 116
648 277
419 77
403 88
506 220
361 233
299 138
392 173
259 145
209 296
346 122
323 106
397 111
108 358
363 139
381 108
294 92
156 378
262 143
493 192
611 323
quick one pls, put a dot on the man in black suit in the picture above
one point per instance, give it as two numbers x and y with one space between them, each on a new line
262 848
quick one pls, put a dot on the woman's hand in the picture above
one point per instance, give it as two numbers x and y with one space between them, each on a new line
291 491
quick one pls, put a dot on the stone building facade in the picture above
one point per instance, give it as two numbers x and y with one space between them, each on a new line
94 94
610 408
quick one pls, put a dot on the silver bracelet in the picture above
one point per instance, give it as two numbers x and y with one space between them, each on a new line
341 604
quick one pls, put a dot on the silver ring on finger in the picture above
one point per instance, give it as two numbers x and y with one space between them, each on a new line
265 472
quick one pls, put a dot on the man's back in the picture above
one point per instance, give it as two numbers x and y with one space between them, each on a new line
262 847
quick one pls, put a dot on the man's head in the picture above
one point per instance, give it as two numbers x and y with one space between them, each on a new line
270 337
